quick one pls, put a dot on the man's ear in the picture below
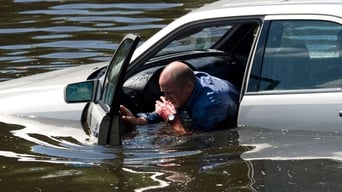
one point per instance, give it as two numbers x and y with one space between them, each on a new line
190 86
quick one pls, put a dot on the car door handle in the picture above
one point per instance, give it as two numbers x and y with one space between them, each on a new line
340 113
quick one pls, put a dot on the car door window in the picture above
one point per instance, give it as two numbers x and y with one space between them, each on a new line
121 56
110 128
202 38
302 54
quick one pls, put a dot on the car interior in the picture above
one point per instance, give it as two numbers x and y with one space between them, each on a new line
227 61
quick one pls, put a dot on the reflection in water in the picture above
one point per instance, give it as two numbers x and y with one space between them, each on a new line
287 160
154 177
66 144
39 36
146 162
204 162
290 144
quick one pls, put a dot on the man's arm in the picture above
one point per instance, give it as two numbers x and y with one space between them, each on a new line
128 117
163 109
178 126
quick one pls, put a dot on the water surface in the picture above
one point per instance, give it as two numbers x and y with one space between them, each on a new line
35 155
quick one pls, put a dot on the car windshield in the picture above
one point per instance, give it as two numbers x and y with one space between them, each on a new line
196 40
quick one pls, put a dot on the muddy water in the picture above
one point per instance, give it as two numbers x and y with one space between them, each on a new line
38 35
44 35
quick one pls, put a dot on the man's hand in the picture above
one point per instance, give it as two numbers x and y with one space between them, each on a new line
164 108
128 117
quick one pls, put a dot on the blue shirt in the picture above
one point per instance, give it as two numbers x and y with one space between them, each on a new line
212 101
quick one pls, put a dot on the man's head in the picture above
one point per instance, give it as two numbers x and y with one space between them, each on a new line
177 82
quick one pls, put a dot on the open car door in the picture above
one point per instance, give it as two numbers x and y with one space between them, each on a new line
111 126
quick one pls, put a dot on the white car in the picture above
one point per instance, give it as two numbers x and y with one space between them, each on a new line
284 56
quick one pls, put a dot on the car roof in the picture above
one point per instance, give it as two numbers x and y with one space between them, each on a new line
249 8
255 3
266 7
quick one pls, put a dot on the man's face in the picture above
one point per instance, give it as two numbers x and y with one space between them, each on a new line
177 95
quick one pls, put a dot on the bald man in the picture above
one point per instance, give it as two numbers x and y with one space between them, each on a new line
193 101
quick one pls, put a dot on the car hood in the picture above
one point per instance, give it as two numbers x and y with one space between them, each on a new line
42 95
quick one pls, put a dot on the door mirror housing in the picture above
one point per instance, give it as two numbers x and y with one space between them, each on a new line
81 92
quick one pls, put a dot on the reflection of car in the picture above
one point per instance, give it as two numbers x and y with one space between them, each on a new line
284 56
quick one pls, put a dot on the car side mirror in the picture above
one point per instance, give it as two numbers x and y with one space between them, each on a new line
81 92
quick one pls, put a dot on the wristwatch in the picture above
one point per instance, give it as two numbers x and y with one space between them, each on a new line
171 118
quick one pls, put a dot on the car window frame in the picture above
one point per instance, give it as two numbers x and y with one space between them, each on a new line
256 63
111 127
305 109
105 106
140 62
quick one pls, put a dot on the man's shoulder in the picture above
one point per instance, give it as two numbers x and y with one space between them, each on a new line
207 80
201 74
205 75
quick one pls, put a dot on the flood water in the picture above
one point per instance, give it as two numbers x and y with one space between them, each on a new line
44 35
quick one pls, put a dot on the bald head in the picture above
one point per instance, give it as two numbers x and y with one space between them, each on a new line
177 82
178 73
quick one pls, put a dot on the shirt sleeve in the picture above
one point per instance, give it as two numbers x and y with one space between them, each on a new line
151 117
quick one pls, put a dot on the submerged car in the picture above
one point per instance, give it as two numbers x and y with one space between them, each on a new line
284 56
